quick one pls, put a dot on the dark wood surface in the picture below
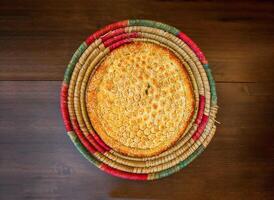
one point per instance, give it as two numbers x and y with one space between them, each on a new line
37 159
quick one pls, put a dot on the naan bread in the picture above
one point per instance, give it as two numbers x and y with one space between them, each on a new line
140 99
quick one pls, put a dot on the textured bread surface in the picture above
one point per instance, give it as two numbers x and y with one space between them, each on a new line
140 99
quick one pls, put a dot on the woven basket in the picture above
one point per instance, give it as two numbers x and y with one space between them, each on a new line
85 61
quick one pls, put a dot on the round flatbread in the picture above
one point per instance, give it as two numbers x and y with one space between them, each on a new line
140 99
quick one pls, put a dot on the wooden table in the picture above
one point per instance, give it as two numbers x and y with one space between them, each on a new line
37 159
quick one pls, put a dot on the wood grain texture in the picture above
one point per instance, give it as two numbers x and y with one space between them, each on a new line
38 37
37 159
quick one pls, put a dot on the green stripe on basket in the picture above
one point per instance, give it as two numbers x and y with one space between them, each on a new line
73 61
165 27
212 85
82 149
181 165
206 66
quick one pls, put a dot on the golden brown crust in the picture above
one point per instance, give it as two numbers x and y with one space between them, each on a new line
140 99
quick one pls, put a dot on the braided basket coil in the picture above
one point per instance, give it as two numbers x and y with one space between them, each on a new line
89 57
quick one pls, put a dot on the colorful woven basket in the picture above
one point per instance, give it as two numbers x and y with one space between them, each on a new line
82 67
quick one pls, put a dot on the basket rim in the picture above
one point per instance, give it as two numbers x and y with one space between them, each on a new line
64 95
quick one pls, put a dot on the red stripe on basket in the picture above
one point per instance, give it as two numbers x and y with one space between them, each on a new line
91 141
90 40
200 129
201 109
106 29
112 34
111 41
123 174
193 46
100 141
96 144
119 43
82 138
64 107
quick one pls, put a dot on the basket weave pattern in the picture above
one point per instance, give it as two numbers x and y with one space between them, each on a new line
79 128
